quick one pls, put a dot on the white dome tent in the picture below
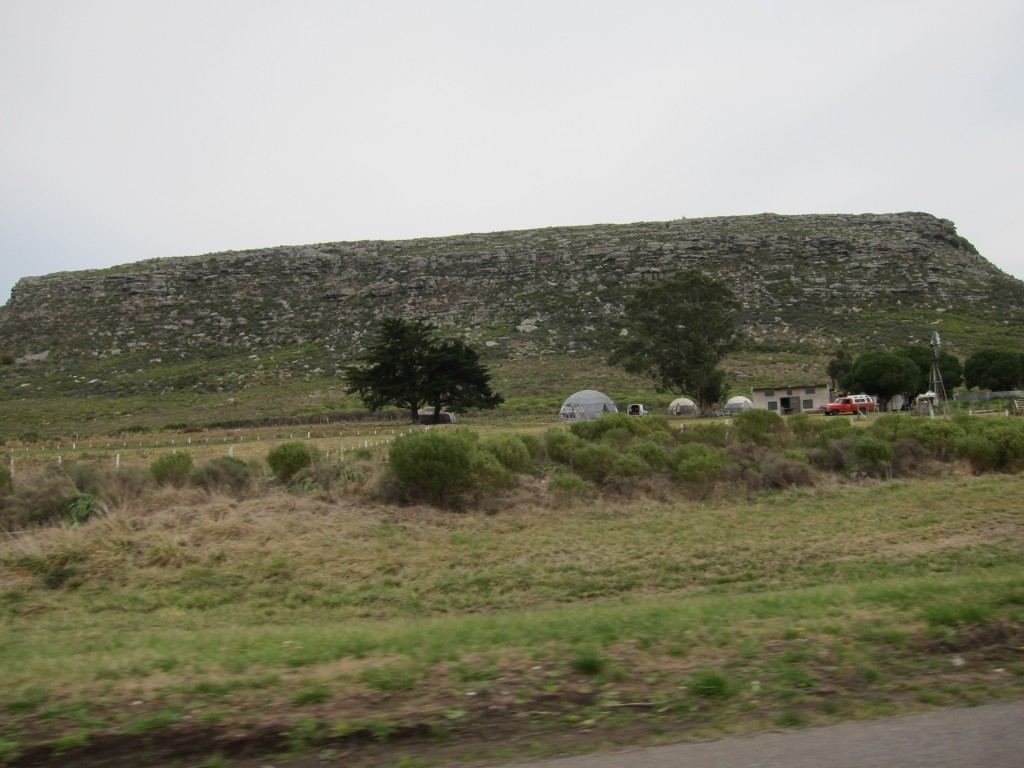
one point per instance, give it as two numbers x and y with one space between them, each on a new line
738 404
682 406
586 404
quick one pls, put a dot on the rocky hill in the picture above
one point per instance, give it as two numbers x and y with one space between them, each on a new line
806 282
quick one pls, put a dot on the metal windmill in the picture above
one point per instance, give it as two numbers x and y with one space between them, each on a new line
936 378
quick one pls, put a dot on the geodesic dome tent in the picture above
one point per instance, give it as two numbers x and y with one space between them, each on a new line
586 404
738 404
682 406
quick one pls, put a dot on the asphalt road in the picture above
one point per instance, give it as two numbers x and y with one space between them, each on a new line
988 736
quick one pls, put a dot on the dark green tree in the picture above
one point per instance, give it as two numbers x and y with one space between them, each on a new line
839 367
678 329
995 368
883 374
950 368
457 380
409 366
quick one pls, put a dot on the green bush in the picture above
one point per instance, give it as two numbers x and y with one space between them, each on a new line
36 500
937 436
594 461
806 428
630 465
560 445
621 424
434 467
697 464
1008 437
653 455
785 472
759 426
568 485
486 473
979 451
6 483
78 508
511 451
893 426
871 454
171 469
715 433
618 438
225 474
532 443
287 459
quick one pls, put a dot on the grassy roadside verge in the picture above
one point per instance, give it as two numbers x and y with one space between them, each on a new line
292 624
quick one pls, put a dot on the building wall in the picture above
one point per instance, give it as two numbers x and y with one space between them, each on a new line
786 400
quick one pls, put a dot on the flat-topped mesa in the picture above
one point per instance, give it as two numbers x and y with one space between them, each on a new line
801 279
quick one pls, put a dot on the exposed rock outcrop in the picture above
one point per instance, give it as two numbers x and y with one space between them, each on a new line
804 280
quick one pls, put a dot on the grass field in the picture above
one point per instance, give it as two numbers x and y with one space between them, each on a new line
190 628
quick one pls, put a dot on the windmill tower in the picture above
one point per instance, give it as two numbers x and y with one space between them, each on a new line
936 378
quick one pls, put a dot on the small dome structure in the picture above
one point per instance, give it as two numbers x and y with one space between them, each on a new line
586 404
738 404
682 406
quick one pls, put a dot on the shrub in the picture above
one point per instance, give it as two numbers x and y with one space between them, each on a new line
872 455
433 466
285 460
560 445
708 434
893 426
759 426
937 436
697 463
783 472
837 433
36 500
565 486
594 461
806 428
532 443
1008 437
629 465
653 455
510 451
908 456
225 474
618 438
171 469
6 483
486 473
828 458
979 451
78 508
124 486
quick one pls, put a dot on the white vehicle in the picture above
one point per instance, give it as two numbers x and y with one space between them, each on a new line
636 409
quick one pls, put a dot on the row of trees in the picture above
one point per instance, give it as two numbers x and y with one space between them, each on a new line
909 371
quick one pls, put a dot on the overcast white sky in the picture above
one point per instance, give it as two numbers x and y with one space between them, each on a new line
131 129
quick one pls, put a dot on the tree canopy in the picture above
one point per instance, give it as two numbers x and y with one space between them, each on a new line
883 374
409 366
994 368
677 330
950 368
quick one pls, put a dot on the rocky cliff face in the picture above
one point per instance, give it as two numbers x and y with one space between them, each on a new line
803 280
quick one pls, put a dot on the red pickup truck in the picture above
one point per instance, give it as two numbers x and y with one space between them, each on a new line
850 404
